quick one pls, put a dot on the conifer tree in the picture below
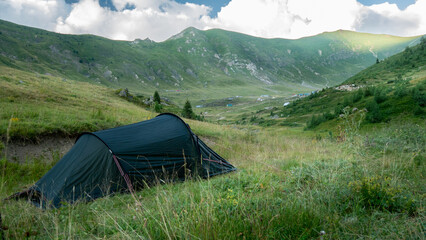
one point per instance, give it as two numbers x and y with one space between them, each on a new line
187 110
157 98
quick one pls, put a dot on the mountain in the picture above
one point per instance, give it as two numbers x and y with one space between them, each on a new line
392 89
198 64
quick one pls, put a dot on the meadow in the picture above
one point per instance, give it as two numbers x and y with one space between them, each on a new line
345 183
290 184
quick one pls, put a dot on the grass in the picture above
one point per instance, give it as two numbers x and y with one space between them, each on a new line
198 65
41 105
287 187
349 180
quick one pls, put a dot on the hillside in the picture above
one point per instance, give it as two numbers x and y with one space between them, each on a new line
198 64
35 105
290 184
392 89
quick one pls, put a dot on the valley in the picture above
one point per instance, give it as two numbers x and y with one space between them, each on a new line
281 111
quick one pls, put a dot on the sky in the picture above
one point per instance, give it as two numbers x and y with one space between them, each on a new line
161 19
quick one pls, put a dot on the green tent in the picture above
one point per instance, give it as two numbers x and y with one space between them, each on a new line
120 159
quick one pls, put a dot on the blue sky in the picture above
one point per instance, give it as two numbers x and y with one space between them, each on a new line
216 5
161 19
402 4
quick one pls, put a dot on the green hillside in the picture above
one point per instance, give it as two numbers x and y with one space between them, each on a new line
394 89
289 184
359 174
199 65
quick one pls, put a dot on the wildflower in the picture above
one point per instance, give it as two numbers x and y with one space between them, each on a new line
14 119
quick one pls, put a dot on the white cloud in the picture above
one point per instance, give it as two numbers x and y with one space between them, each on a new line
389 19
35 13
157 20
299 18
160 19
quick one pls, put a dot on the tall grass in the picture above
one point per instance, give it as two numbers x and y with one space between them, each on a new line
285 188
290 184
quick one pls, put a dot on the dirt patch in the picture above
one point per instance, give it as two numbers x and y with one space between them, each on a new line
49 149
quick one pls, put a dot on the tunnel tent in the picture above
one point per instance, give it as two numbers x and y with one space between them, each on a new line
117 159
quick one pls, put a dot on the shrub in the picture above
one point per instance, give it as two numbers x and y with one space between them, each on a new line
378 193
327 115
374 115
419 95
368 91
338 110
401 91
157 107
380 95
347 101
418 111
315 121
357 96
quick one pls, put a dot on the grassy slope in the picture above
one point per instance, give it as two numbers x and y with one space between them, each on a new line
289 184
278 193
399 79
35 105
202 64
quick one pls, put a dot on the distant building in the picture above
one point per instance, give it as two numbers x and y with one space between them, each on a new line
229 105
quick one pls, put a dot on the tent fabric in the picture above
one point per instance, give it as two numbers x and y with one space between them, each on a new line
86 172
162 148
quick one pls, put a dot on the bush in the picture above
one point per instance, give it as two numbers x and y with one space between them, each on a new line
347 101
418 111
419 95
327 115
401 91
374 115
157 107
338 110
378 193
315 121
357 96
368 91
380 95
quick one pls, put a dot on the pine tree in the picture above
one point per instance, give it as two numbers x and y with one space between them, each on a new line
187 110
157 98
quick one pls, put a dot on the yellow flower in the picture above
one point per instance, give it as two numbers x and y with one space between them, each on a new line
14 119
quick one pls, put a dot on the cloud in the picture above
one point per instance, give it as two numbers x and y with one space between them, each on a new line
160 19
157 20
299 18
389 19
34 13
287 18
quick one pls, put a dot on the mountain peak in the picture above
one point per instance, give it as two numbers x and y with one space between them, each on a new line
191 31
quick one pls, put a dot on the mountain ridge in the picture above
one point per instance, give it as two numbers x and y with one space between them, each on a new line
205 64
